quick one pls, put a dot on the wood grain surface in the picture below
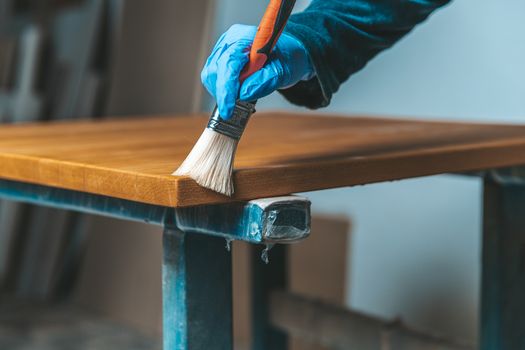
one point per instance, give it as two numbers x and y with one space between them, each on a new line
280 153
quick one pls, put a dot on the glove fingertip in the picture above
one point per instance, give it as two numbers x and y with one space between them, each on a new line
210 88
204 74
205 82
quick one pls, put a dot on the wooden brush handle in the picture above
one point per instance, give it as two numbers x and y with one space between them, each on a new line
269 31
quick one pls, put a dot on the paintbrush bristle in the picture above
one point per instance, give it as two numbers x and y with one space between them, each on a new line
210 162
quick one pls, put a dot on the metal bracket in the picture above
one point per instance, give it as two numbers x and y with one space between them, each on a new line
269 220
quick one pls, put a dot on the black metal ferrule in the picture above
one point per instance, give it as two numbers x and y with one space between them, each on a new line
233 127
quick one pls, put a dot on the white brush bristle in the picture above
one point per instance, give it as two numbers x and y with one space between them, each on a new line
210 162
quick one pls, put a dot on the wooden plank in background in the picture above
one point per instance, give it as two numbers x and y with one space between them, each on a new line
341 329
280 153
73 65
318 267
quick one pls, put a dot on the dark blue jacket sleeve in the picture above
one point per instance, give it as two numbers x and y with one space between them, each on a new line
341 36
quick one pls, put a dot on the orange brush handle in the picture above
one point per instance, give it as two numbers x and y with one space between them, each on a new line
269 31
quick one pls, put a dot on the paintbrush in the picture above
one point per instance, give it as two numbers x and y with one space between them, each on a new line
210 162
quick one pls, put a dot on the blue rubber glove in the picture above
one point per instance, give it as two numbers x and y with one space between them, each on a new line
288 64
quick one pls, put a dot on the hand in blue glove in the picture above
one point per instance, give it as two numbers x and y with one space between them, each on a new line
288 64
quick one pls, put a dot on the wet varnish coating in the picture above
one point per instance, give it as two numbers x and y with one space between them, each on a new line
280 153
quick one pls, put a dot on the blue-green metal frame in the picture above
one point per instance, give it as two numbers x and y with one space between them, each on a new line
197 292
197 275
282 221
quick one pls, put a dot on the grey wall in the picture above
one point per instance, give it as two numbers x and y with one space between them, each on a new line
416 246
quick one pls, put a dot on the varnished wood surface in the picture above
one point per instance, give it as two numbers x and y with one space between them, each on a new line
279 154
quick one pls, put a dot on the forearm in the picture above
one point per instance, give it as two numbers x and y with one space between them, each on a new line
341 36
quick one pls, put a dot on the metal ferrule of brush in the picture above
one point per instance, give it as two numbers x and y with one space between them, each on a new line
233 127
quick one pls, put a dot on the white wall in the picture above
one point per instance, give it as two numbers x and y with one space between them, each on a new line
416 248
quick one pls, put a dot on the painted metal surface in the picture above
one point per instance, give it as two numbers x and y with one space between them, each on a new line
265 279
83 202
197 274
197 292
503 267
284 219
197 280
281 220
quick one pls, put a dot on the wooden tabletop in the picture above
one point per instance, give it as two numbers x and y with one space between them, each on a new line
280 153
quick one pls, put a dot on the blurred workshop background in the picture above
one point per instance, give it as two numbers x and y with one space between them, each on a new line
408 249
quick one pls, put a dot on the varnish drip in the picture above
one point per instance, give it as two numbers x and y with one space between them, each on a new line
229 244
265 253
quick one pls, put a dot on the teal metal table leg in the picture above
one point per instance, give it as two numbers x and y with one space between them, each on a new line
503 265
265 279
197 292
